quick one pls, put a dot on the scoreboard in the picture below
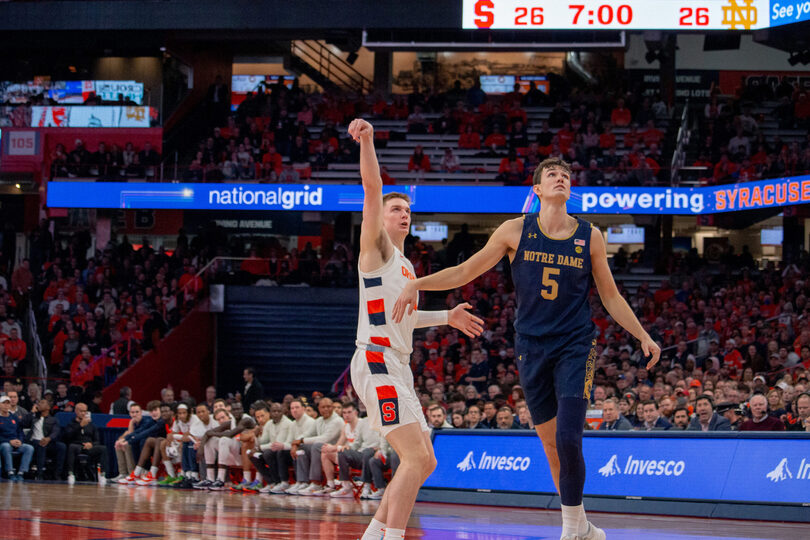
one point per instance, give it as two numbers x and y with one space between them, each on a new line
740 15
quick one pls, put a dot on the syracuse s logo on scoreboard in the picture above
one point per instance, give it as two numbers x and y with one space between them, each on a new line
740 14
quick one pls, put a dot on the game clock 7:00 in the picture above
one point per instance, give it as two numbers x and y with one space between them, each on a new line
615 14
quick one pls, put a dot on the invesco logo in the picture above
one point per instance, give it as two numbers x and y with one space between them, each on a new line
494 463
639 467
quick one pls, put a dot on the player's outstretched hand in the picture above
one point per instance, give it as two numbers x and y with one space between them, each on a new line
360 129
408 299
465 321
650 348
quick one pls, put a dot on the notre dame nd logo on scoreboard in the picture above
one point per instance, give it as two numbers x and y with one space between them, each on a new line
740 14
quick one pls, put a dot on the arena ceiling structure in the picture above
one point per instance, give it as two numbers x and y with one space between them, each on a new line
416 23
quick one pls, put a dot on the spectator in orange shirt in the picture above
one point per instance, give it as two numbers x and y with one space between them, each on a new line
703 161
55 318
731 356
496 138
802 108
189 282
15 347
419 160
633 137
398 110
506 163
748 172
22 279
620 116
255 265
724 169
81 375
378 109
513 176
387 179
652 135
664 293
84 355
434 366
607 139
516 113
469 139
271 161
761 156
566 137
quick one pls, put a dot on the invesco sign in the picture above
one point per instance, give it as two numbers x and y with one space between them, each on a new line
494 463
638 467
774 469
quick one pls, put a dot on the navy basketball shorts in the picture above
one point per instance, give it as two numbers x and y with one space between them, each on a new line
554 367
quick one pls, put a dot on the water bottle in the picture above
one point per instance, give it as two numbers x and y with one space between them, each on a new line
101 480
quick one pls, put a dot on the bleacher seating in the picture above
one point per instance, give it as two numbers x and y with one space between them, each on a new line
295 339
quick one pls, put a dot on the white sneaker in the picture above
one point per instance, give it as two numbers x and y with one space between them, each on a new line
594 533
295 488
377 495
343 493
102 480
267 488
366 493
281 487
312 489
71 479
117 478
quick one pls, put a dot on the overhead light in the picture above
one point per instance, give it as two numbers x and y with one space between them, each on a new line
17 186
163 49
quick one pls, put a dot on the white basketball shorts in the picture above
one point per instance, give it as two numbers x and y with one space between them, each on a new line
385 385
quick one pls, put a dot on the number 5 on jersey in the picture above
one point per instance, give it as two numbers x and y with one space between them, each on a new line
550 285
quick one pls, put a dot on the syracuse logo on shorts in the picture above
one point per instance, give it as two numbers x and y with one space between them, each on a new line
389 405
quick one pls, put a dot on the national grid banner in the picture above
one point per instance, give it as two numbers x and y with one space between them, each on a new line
731 468
429 198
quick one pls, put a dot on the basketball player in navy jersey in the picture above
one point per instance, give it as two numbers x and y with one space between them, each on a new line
553 256
380 369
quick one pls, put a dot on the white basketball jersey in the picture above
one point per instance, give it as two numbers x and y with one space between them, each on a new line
379 291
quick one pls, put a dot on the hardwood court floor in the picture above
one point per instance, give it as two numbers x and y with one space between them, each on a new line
84 512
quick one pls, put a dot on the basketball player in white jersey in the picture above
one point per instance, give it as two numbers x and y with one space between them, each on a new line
380 370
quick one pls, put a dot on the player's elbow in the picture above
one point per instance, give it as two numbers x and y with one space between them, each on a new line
467 273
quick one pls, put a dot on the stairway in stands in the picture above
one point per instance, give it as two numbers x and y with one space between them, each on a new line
298 340
323 65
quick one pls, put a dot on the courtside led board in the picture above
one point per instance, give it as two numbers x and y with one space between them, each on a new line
431 198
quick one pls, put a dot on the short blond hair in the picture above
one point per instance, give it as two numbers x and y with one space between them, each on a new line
396 195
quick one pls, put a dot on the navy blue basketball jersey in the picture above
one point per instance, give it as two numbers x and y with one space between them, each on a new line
552 280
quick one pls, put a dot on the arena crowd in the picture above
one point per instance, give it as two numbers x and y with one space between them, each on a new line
283 134
735 334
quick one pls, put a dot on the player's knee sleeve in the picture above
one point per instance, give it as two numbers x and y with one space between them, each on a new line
570 424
